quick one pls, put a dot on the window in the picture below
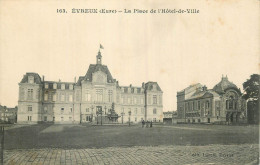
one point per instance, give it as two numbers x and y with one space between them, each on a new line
62 110
154 111
193 120
46 85
198 120
63 86
154 119
45 118
134 100
142 100
71 109
61 118
198 105
99 95
62 97
88 118
29 118
30 94
193 106
231 102
29 108
142 110
129 100
70 98
110 96
87 109
154 99
30 79
54 86
46 97
53 119
207 104
71 87
135 110
54 97
87 96
45 109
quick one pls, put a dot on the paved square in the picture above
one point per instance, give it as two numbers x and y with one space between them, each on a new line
178 144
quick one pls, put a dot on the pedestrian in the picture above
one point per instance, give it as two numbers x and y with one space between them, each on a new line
147 124
151 124
143 124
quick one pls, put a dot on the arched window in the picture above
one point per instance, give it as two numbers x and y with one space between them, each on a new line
226 104
231 102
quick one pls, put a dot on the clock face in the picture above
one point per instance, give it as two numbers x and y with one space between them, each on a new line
99 77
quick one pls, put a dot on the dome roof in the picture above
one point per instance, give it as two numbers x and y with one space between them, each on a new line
223 85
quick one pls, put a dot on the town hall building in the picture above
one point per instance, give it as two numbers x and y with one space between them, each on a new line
94 97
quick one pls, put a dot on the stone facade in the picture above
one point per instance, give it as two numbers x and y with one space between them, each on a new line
78 102
222 104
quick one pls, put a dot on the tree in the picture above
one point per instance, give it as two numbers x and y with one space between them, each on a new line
251 87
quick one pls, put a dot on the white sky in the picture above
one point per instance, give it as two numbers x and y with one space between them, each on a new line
175 50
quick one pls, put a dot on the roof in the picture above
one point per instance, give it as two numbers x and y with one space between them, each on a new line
132 89
37 78
59 83
150 85
223 85
187 90
203 94
98 67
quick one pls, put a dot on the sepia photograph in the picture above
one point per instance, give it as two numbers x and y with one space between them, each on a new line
129 82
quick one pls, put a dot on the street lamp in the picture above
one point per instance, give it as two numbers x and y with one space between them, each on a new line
92 107
129 112
97 116
101 115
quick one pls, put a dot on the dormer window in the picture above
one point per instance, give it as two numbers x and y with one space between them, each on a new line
30 79
46 86
55 86
63 86
71 87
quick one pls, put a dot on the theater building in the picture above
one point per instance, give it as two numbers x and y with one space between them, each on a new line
222 104
93 97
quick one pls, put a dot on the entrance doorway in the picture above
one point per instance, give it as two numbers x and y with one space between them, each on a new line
208 120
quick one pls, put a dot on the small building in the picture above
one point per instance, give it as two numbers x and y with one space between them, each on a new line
169 116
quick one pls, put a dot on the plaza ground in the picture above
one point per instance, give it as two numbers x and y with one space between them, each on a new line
161 144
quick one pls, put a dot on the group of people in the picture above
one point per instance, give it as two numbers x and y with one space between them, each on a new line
147 123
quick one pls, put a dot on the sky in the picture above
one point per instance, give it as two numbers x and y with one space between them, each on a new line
175 50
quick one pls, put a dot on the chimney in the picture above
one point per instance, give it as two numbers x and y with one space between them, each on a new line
204 88
43 78
143 85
